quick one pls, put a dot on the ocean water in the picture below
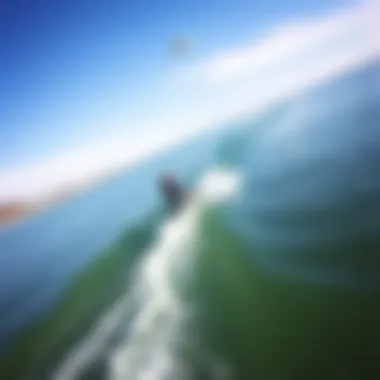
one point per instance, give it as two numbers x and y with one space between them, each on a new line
312 185
205 296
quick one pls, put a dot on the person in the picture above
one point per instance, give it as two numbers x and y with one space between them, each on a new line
172 191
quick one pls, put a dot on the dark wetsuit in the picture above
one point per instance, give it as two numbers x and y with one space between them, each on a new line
172 192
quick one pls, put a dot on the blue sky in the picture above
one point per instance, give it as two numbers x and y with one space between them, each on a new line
77 73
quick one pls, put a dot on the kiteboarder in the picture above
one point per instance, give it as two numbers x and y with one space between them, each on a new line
172 191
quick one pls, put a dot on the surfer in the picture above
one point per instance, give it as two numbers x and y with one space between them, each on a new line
172 191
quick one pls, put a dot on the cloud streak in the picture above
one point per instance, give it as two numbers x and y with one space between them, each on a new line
291 40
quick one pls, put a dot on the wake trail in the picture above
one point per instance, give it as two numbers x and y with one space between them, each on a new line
148 346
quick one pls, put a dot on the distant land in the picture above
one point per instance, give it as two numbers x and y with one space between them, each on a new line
13 211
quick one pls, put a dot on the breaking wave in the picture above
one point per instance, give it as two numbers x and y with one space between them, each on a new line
148 331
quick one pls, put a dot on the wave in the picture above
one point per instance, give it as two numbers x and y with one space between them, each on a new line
150 322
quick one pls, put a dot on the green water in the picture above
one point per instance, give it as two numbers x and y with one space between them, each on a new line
272 328
258 326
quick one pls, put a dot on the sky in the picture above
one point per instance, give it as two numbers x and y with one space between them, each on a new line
88 86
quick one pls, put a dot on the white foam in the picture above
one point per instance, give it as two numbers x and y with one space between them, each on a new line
148 345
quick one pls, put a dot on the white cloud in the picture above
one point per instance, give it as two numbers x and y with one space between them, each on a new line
38 178
291 40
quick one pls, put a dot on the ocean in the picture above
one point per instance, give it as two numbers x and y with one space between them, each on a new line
105 287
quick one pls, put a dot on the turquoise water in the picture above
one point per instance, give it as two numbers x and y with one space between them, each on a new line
209 295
